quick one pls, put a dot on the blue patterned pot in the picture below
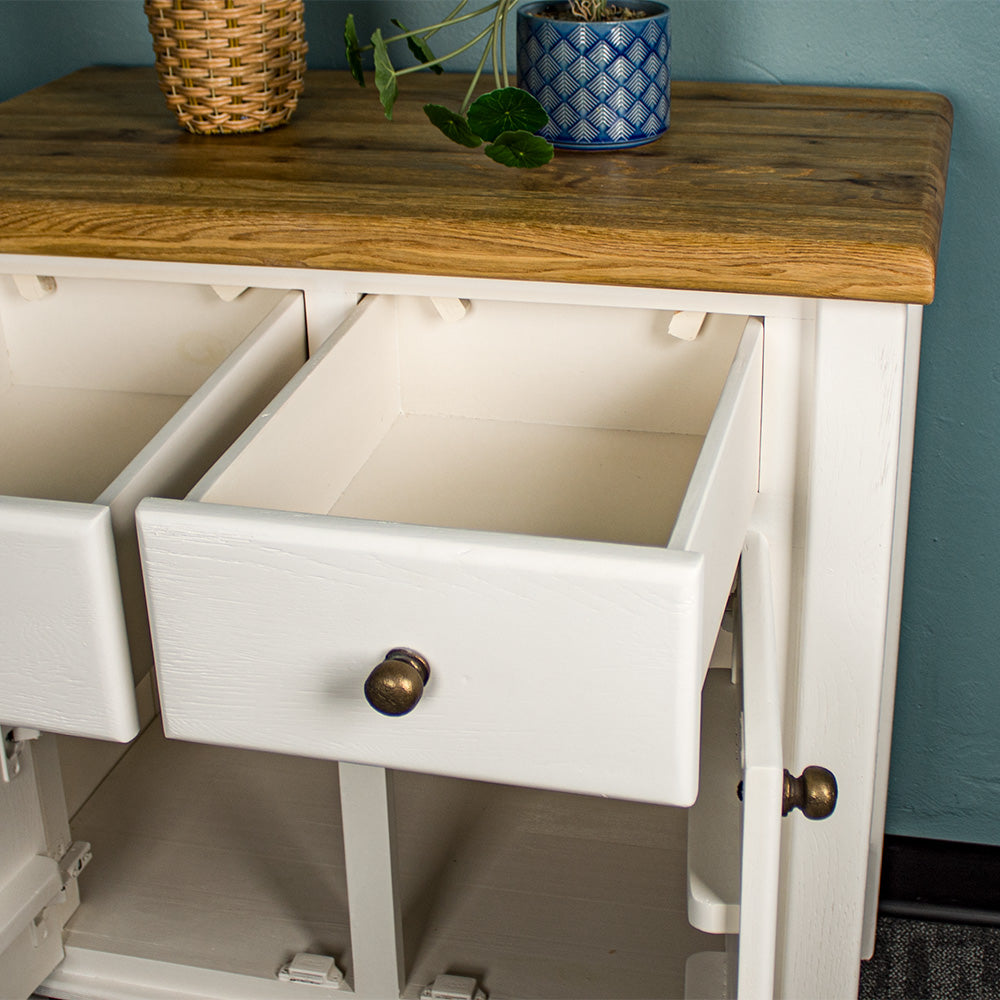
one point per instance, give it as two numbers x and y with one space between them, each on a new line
605 85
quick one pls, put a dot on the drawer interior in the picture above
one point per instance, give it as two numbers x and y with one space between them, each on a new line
540 419
92 371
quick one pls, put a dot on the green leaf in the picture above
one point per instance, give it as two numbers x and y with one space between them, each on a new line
418 46
385 75
520 149
509 109
453 125
353 47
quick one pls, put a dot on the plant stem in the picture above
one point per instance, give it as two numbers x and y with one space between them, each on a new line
475 79
498 19
440 59
448 20
503 41
447 23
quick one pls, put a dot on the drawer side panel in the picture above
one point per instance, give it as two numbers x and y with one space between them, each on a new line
720 499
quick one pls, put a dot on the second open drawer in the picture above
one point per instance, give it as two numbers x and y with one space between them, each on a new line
547 502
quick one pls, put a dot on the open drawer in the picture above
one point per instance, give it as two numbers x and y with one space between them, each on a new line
546 502
109 391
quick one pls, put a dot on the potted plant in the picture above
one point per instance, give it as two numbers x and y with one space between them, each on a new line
592 74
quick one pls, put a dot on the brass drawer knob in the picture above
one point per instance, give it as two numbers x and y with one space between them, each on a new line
814 792
394 687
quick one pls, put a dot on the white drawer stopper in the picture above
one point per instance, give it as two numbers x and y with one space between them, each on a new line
686 325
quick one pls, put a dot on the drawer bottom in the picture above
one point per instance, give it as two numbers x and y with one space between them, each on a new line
505 475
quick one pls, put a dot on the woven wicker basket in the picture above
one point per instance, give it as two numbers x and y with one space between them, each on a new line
229 65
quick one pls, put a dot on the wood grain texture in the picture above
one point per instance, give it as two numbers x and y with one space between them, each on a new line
829 192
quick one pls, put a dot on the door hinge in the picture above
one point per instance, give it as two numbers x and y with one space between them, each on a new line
12 748
314 970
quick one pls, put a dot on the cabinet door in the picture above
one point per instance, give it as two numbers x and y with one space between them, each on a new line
763 776
33 905
734 838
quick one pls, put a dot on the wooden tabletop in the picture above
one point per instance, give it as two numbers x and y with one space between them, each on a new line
810 191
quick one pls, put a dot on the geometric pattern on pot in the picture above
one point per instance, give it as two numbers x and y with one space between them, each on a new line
605 85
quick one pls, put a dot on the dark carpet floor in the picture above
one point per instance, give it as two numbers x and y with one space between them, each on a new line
928 960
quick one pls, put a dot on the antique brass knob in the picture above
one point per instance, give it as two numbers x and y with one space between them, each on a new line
814 792
394 687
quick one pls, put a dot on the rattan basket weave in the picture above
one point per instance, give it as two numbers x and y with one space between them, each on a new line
229 65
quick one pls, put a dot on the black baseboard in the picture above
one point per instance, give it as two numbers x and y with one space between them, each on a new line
940 880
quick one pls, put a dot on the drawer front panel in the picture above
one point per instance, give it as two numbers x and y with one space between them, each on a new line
554 663
65 664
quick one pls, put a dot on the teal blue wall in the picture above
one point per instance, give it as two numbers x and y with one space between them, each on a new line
946 749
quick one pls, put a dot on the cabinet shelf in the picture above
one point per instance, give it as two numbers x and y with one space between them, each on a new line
231 861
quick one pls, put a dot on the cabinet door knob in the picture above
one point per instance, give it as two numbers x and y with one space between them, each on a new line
394 687
814 792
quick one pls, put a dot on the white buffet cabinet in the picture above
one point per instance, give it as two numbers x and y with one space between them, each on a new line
647 543
559 540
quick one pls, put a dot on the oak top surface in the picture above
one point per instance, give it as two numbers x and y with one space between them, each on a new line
830 192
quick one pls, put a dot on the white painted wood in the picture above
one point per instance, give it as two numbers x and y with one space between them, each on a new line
31 956
181 451
686 325
34 286
25 895
713 843
908 412
273 646
847 552
451 310
27 953
535 479
83 763
213 859
211 866
542 894
527 364
91 974
131 336
333 286
787 461
97 375
763 776
55 819
65 665
229 292
723 488
705 977
367 806
734 852
480 606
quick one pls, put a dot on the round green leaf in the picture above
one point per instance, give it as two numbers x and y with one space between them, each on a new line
453 125
520 149
509 109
